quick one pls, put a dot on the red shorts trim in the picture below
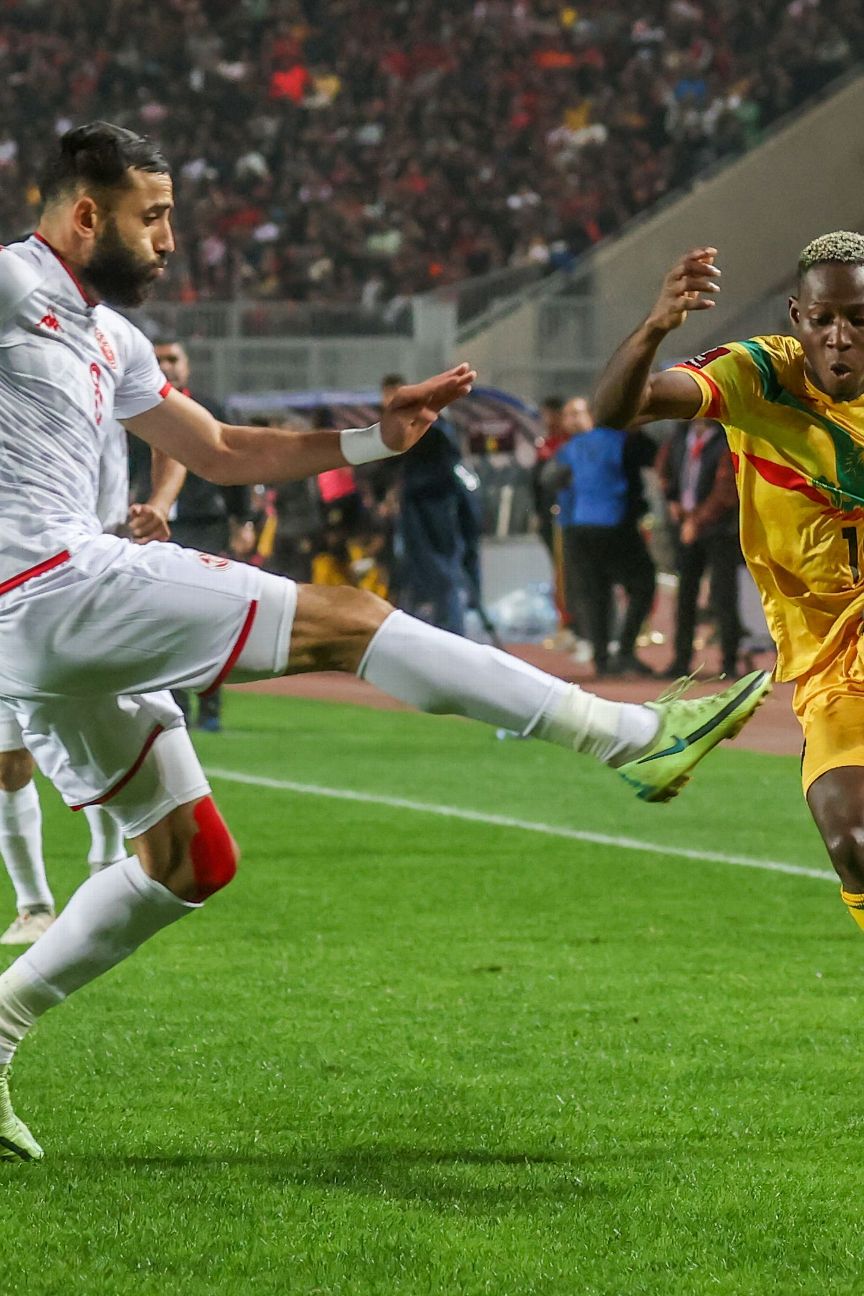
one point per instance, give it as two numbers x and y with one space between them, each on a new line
14 581
130 773
235 651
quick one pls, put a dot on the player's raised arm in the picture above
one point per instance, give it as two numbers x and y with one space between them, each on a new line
628 392
232 455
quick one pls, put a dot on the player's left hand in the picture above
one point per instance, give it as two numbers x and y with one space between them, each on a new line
147 523
415 407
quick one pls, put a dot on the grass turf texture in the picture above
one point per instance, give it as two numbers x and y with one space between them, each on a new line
409 1055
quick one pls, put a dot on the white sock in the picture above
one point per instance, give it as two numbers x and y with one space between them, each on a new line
107 845
612 732
21 847
442 673
108 917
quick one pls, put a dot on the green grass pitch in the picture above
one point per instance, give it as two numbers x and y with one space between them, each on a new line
407 1054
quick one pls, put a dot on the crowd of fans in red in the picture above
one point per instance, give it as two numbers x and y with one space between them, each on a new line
355 151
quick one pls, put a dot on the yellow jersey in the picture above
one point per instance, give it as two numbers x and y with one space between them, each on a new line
799 463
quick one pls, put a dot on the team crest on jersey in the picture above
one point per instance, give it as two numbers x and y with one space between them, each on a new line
700 361
214 561
106 348
50 321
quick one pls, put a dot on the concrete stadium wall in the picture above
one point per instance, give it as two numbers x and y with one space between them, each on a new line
759 212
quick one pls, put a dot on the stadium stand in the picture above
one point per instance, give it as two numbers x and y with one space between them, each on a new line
352 152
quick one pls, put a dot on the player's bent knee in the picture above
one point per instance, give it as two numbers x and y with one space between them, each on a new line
16 770
212 850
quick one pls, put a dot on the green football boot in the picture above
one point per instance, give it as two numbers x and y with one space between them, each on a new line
16 1141
688 730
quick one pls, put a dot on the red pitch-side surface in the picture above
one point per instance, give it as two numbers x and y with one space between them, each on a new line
773 729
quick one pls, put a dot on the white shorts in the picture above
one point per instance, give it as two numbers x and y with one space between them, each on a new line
88 649
11 737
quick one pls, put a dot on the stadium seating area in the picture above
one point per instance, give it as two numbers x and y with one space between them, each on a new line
352 151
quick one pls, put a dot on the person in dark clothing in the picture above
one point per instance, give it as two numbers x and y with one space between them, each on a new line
601 501
438 527
544 496
698 479
214 519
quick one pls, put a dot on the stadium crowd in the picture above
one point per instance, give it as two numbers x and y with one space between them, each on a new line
354 152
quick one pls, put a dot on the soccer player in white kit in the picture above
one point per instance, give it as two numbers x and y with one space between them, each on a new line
20 811
93 626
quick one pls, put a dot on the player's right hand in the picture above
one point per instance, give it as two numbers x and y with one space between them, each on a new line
415 407
690 285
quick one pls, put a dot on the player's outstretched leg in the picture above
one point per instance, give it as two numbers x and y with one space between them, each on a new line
21 848
182 860
653 747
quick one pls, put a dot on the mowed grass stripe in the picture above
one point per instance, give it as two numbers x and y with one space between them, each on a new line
523 825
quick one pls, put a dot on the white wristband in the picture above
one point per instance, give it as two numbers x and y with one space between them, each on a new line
364 445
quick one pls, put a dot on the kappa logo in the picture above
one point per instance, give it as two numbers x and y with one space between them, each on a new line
50 321
214 562
106 348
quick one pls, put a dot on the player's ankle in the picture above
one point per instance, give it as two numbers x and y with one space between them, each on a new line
611 732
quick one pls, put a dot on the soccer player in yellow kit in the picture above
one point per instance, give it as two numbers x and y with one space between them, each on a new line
793 410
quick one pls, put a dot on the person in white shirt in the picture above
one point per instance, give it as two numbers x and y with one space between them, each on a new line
20 810
94 627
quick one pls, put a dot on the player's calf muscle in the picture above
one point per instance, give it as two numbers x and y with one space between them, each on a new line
836 801
333 626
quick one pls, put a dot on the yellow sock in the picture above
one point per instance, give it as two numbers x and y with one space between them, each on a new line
855 905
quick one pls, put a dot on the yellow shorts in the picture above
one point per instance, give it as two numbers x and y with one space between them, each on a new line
829 704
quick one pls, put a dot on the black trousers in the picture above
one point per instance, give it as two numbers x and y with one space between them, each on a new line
719 555
601 558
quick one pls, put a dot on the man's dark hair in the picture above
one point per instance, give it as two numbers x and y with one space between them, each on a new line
554 404
393 380
98 155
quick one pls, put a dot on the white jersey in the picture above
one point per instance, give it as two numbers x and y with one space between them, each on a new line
112 500
69 367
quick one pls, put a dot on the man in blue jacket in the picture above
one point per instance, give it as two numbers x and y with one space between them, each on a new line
600 504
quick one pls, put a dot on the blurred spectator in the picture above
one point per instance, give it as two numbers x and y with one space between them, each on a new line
214 519
601 501
544 494
344 550
698 480
353 151
290 529
573 631
438 527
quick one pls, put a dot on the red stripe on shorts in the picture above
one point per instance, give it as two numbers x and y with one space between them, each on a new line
235 651
14 581
130 773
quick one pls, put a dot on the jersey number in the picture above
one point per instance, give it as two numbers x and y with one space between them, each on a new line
850 535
